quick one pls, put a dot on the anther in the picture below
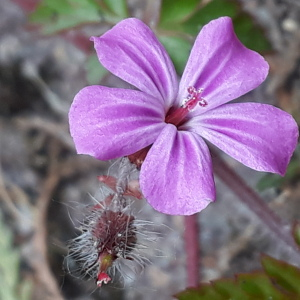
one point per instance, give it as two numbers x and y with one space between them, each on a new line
178 115
193 98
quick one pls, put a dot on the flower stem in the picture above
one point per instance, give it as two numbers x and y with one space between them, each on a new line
253 201
191 238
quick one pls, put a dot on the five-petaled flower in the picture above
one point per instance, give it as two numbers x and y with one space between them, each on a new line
170 119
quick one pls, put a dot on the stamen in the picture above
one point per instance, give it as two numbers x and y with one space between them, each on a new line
193 98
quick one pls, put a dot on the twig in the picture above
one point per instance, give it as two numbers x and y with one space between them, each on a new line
191 238
5 197
55 103
248 196
57 130
234 247
47 284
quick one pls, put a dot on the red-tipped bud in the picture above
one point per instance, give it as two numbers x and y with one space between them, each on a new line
102 278
107 235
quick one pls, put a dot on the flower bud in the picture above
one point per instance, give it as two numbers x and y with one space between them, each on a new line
106 236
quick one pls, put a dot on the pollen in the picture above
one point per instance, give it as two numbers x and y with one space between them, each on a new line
194 98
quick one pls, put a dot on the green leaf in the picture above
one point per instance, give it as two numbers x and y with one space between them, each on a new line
94 70
213 10
178 49
176 11
117 8
277 181
278 281
250 35
283 275
205 292
296 233
9 263
181 19
229 289
223 289
259 286
9 268
269 181
56 15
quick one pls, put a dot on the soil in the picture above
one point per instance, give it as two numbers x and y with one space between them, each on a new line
44 184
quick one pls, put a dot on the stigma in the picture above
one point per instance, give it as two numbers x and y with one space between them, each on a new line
177 116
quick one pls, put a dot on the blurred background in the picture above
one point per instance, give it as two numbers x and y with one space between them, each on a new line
45 59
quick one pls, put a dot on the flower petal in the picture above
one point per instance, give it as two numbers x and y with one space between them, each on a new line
176 177
131 51
108 123
260 136
221 65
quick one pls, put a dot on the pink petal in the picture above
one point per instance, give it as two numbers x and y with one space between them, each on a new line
221 65
108 123
260 136
131 51
176 177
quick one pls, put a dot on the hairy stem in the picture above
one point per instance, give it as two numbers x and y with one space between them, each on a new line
191 238
253 201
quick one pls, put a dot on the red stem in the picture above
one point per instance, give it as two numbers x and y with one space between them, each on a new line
191 238
253 201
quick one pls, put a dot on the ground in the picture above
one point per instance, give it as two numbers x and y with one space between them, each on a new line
44 184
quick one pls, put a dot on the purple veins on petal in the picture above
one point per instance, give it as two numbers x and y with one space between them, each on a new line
221 65
108 123
163 124
260 136
131 51
176 176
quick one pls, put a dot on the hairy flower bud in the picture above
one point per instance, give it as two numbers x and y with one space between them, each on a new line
106 236
109 234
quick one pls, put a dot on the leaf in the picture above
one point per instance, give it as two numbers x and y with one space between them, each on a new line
186 18
223 289
230 290
259 285
250 35
94 70
270 181
176 11
178 49
277 281
203 293
284 275
273 180
213 10
8 264
117 8
57 15
296 233
9 268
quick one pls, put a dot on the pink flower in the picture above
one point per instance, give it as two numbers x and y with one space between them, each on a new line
175 117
